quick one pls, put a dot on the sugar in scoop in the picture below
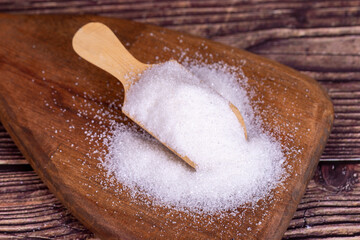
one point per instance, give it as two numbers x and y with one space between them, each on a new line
188 110
184 113
185 108
96 43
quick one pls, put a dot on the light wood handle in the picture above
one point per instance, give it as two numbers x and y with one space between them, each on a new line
97 44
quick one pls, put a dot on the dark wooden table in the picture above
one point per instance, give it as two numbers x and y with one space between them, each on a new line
318 38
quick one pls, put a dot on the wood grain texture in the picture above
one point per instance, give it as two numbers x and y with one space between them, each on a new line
251 24
9 153
47 108
330 207
320 39
30 210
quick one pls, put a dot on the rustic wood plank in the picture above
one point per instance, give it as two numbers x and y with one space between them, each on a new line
29 210
311 37
9 153
326 211
251 25
42 130
331 205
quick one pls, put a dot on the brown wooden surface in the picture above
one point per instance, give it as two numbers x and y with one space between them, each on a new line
44 85
28 209
319 38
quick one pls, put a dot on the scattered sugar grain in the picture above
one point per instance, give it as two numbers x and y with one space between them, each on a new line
189 110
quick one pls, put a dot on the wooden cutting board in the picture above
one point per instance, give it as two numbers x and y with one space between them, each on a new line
51 100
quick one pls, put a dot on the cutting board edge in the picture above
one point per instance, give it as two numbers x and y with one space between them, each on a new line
315 159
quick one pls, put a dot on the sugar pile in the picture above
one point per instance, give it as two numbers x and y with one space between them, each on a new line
189 110
185 114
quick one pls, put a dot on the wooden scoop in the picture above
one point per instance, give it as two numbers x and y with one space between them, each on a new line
97 44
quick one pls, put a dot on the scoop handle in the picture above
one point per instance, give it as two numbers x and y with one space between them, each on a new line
97 44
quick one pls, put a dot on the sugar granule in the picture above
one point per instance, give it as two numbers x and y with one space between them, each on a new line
188 109
187 115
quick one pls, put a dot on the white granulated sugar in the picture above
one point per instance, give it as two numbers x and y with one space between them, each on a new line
189 110
188 116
